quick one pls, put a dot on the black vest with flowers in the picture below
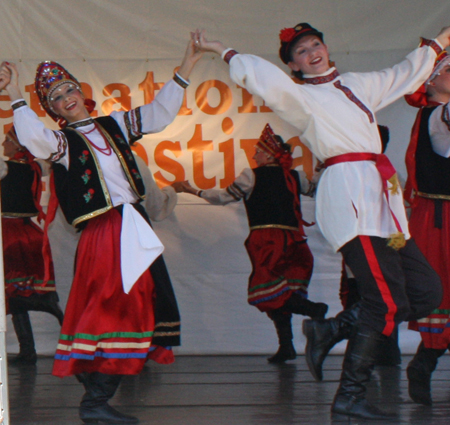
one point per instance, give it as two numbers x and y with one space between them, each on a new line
17 197
81 189
271 202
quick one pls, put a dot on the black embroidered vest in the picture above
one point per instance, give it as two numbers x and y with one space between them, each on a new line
81 189
271 202
17 197
432 170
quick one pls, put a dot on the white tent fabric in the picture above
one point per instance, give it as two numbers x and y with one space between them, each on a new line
123 49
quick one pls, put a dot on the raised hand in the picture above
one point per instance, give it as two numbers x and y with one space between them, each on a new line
191 57
444 37
207 46
5 75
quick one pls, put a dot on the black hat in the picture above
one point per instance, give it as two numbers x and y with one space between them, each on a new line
289 36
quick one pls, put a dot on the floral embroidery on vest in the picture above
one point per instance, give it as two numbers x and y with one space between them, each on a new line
86 176
89 195
84 157
120 139
129 155
136 174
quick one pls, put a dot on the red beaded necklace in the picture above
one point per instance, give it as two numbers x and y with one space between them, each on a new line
105 151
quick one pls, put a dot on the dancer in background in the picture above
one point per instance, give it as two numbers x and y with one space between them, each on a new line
428 193
281 259
359 205
120 312
26 288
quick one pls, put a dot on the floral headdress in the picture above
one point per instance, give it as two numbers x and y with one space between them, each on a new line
288 37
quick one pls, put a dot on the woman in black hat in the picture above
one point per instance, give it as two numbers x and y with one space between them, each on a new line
359 206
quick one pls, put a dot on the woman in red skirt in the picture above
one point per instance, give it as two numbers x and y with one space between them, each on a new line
281 259
121 309
428 192
26 287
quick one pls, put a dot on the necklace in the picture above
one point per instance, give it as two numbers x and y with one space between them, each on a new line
81 123
106 150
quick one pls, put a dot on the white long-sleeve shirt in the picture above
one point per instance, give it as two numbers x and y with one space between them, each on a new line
350 198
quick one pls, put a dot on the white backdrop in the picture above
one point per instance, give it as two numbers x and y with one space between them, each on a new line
122 49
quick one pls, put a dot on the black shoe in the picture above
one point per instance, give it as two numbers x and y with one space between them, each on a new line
419 372
323 334
284 353
321 337
27 352
24 359
359 408
106 414
419 386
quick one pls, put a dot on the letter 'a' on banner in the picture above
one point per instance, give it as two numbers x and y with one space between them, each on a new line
4 400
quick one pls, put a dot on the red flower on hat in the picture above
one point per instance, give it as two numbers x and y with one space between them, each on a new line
287 34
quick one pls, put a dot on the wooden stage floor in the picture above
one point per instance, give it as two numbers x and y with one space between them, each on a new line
219 390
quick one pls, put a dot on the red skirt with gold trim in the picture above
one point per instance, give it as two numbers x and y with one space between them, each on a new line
282 264
106 330
22 258
434 243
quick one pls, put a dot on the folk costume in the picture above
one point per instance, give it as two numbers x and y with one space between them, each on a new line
428 193
282 262
359 206
120 312
26 287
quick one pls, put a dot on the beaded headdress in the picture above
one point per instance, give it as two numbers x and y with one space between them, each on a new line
50 76
289 36
270 142
419 98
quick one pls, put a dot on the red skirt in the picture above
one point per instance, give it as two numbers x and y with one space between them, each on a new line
282 264
106 330
23 261
435 245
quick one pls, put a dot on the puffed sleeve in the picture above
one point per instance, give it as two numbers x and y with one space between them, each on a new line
159 203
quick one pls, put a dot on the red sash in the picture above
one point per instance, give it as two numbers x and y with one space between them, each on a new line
387 173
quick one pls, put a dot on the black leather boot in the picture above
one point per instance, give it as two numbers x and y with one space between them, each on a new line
419 373
94 407
322 335
299 305
283 325
24 332
359 359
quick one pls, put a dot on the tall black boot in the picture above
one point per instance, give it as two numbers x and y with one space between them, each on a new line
94 405
419 373
359 359
389 353
283 325
322 335
300 305
24 332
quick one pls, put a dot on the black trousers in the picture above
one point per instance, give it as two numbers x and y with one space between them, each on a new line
394 285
